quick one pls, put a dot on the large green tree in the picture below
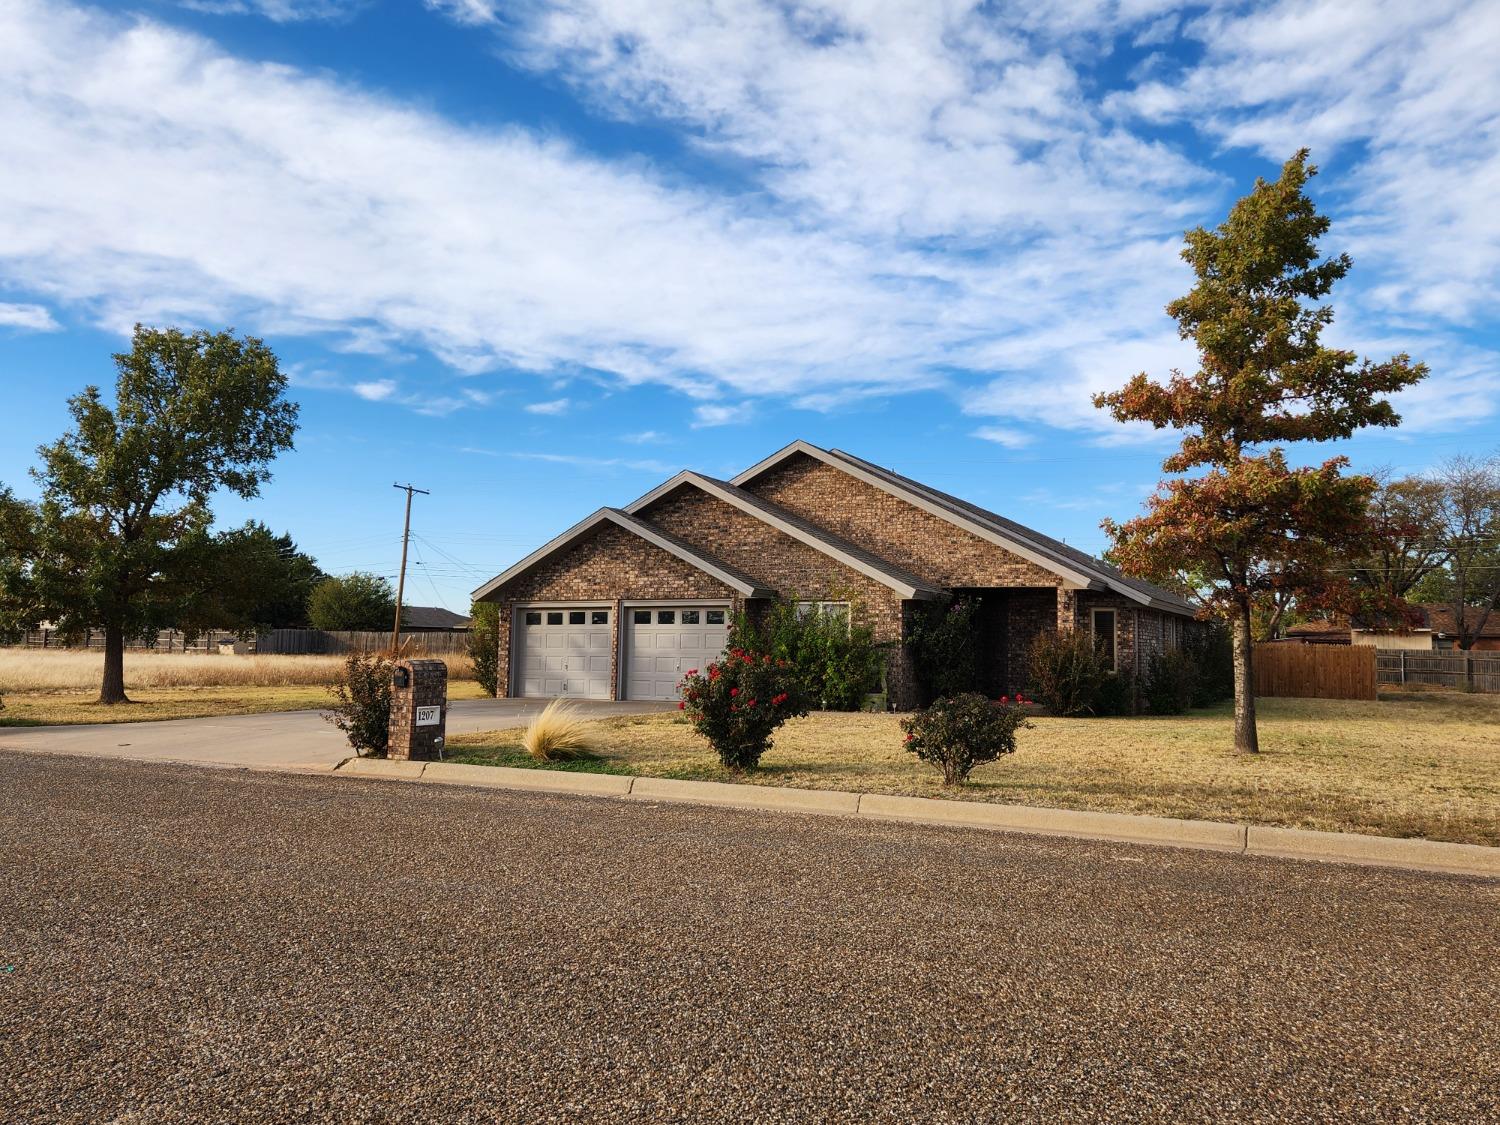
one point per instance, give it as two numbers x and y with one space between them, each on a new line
1238 514
123 540
19 610
265 583
352 601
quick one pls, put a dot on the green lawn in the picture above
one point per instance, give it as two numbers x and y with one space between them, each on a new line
1423 764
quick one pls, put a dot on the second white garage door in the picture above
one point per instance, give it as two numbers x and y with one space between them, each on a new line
664 642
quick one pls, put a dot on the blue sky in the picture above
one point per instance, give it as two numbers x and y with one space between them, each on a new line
537 256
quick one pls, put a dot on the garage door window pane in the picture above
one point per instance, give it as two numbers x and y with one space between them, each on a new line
601 617
576 617
716 617
555 617
666 617
690 617
642 617
533 617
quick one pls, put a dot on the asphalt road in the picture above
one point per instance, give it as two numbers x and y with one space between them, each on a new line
190 944
274 739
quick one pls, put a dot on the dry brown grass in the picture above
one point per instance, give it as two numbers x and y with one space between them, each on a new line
39 670
1409 765
54 707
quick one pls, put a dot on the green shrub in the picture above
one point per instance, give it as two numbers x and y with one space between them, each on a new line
837 661
738 702
484 645
1067 671
362 707
960 732
1211 652
1116 695
944 646
1171 678
352 601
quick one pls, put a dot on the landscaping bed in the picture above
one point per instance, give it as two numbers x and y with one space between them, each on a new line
1423 765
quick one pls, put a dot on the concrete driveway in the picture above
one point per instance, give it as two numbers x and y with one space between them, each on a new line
276 739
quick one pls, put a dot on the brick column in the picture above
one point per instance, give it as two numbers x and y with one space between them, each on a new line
419 710
1067 609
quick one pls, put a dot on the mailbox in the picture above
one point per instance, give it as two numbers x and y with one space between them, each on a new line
419 710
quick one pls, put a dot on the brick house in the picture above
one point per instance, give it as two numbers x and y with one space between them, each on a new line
620 605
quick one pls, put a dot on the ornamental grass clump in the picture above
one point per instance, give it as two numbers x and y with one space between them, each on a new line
960 732
738 702
559 734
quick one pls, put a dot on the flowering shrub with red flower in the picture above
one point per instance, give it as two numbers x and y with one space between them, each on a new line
960 732
738 701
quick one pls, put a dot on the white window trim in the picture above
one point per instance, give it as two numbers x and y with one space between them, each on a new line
1114 646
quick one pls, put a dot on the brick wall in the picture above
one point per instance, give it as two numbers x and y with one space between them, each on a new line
609 566
790 567
927 545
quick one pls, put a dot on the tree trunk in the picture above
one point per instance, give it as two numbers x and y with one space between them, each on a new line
1245 739
112 690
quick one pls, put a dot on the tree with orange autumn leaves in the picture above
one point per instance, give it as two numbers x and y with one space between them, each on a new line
1237 518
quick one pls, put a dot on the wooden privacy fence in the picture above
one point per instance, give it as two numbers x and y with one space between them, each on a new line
302 642
1316 671
1463 671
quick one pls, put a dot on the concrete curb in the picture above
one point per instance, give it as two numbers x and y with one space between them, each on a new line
1058 822
1202 835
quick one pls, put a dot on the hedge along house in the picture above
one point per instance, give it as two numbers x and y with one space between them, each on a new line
621 605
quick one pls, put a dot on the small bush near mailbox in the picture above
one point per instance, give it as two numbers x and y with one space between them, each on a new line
362 703
960 732
738 702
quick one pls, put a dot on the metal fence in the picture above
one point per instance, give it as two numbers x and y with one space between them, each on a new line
1462 671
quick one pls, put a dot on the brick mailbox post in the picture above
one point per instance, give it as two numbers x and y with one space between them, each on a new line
419 710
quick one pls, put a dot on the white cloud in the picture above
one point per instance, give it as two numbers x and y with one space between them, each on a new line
278 11
555 406
645 437
376 390
1005 436
720 415
33 317
583 462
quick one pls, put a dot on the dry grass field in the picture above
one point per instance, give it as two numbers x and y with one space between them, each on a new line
60 686
1424 764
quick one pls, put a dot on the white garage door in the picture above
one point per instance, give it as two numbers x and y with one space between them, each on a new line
563 652
664 642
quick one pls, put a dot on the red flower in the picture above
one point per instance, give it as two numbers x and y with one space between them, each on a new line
692 671
750 704
681 706
910 737
734 691
1005 699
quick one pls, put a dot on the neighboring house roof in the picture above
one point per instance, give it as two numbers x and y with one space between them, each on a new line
1336 632
734 579
1046 552
903 582
1441 620
431 617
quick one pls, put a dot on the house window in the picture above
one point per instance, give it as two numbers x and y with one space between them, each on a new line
666 617
533 617
555 617
600 617
1105 629
690 617
641 617
714 616
839 610
575 617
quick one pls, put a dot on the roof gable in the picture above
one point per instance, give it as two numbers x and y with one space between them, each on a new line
1066 562
734 579
903 582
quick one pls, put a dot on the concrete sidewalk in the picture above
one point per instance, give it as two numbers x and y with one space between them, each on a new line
274 740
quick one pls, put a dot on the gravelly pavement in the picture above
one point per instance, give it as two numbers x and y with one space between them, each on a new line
211 945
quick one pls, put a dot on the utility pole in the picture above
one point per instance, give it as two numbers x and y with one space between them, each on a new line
401 581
